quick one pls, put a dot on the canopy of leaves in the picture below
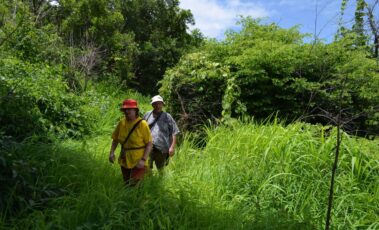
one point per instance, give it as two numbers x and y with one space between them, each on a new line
160 29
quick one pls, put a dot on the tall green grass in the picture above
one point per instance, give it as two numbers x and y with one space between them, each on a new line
266 171
248 176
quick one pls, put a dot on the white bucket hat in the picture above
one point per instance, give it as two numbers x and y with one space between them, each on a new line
156 98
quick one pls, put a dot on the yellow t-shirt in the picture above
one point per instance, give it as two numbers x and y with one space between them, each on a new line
139 138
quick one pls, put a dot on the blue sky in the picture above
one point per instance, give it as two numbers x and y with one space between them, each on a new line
214 17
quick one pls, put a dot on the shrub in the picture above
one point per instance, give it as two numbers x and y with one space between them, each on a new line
35 100
194 89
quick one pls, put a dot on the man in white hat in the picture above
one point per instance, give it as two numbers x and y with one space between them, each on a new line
164 130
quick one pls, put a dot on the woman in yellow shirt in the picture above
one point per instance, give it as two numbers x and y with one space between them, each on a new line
133 134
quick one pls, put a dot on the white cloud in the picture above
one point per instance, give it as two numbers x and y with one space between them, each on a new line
213 17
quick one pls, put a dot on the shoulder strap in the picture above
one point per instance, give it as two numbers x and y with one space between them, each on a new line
155 121
149 116
131 131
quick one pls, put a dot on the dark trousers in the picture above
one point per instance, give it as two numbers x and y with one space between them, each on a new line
161 159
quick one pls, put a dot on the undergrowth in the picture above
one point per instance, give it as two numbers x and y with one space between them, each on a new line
248 176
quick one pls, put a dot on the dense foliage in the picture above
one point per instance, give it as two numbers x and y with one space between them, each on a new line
66 64
51 51
160 30
36 101
135 40
264 69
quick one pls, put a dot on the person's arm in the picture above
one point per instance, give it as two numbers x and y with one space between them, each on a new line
147 139
174 130
146 153
171 151
111 153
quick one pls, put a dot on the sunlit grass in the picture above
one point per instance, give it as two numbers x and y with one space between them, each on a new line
248 176
273 176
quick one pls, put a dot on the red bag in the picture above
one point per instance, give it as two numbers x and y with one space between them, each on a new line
137 173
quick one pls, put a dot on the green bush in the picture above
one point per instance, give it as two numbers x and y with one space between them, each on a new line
194 89
34 99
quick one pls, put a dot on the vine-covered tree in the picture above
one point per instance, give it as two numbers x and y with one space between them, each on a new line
264 70
365 28
373 21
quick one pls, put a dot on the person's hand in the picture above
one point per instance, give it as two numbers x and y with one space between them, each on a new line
111 157
171 151
141 163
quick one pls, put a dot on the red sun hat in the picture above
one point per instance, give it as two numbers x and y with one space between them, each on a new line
129 104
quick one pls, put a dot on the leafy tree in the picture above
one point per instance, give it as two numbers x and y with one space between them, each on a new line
160 29
366 24
97 24
374 25
137 40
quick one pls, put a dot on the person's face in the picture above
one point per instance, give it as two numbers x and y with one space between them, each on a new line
130 114
158 106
